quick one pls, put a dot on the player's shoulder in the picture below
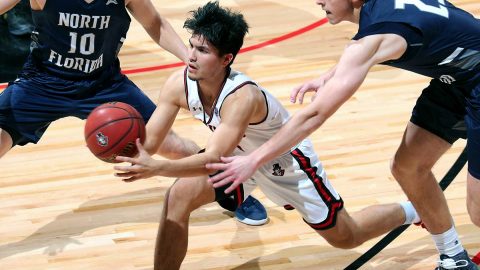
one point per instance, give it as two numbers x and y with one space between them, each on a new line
174 87
248 94
176 79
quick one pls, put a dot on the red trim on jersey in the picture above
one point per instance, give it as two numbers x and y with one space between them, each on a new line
333 204
186 86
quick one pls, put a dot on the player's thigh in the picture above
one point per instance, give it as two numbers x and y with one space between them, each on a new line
5 142
437 121
473 125
26 111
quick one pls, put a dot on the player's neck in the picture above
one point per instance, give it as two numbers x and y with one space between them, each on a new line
211 87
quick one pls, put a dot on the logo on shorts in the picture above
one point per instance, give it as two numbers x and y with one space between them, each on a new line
277 170
111 2
447 79
102 140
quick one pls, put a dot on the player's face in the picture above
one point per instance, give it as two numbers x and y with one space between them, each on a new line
204 60
338 10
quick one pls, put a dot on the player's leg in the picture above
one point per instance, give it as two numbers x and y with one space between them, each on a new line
473 179
6 142
305 187
352 230
473 199
185 195
412 168
24 115
437 121
175 147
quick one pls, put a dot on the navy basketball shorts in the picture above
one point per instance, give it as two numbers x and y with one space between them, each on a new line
29 105
440 109
295 180
473 129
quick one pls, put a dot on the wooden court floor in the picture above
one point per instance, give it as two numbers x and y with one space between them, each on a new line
62 209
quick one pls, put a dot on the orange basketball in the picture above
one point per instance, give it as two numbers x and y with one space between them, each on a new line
111 130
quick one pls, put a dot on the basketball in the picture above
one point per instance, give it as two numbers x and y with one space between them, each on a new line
111 130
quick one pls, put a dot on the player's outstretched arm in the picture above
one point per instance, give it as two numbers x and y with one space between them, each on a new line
350 72
159 29
239 109
6 5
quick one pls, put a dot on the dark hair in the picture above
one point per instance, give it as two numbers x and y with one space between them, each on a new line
222 27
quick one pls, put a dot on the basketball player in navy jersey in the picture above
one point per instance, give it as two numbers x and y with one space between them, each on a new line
429 37
73 67
242 116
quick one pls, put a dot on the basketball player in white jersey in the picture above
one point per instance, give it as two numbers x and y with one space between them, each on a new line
242 116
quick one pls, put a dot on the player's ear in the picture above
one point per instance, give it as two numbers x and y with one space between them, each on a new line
227 59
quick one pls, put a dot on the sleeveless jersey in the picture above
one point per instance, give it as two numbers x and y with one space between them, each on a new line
256 133
74 39
449 48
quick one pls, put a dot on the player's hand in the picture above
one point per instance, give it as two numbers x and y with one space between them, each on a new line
310 86
235 170
142 166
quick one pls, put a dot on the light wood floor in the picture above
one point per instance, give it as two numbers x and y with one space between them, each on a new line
62 209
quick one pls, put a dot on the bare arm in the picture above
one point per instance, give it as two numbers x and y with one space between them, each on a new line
158 27
238 111
6 5
349 74
168 105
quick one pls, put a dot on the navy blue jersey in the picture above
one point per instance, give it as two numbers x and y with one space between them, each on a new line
443 40
74 39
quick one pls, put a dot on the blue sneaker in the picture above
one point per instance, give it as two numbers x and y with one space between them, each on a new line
460 261
251 212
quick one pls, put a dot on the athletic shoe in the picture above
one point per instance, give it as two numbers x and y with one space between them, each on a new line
460 261
251 212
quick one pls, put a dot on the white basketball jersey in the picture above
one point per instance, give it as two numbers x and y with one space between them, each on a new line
294 179
256 133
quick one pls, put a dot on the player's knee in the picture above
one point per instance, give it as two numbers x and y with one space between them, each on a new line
177 199
401 168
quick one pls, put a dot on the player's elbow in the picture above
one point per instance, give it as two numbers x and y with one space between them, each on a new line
312 120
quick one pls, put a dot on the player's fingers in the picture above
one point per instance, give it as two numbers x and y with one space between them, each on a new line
301 92
140 146
232 187
223 182
294 93
125 174
124 159
218 177
227 160
216 166
128 180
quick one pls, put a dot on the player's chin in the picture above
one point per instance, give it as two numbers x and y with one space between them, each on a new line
192 77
